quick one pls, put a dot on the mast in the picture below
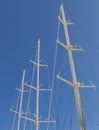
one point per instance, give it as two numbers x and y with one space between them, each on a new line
75 84
22 115
39 89
21 100
73 73
37 95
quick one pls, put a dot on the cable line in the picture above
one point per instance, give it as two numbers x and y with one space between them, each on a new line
53 73
64 122
24 127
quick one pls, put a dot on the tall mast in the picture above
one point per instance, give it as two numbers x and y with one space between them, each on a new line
73 73
37 95
74 82
24 116
21 100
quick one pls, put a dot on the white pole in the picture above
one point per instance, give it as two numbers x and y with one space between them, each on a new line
76 90
37 96
20 107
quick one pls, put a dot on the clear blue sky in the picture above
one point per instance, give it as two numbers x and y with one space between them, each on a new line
23 22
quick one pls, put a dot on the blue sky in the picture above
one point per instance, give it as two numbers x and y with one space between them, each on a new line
23 22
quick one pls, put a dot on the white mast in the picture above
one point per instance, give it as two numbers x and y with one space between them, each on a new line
21 99
36 121
76 91
37 96
20 113
74 82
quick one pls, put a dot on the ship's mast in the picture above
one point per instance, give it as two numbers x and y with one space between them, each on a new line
38 64
73 73
21 100
36 121
37 95
75 84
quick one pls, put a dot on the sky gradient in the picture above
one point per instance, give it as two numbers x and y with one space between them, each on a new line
22 22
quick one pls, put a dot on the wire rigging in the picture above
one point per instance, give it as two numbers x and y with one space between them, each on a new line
45 62
64 122
29 97
53 73
13 123
58 105
83 101
71 121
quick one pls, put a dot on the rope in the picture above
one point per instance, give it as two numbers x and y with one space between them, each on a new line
67 110
58 105
13 123
93 49
62 64
71 115
29 96
45 62
29 65
53 73
87 114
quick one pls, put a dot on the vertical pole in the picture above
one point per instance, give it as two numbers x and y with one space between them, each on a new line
20 107
37 96
76 90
